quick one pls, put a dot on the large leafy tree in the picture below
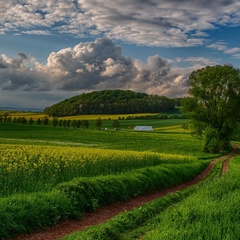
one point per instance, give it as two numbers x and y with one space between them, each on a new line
213 105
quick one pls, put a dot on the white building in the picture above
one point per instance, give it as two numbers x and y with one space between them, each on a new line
143 128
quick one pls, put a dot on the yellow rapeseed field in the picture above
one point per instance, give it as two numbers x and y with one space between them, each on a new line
37 166
26 157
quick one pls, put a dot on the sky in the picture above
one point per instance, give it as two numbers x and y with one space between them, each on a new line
51 50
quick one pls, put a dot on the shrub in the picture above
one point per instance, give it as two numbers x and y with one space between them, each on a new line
24 213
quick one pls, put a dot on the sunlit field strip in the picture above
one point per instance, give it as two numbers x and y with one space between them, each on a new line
105 116
35 116
28 168
27 115
169 129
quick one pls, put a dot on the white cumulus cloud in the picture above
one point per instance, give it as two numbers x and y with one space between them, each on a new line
90 66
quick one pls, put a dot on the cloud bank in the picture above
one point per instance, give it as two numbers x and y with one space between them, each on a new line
148 22
101 64
90 66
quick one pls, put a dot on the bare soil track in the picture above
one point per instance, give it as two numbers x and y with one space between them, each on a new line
105 213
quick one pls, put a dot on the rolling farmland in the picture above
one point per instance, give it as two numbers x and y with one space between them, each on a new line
64 172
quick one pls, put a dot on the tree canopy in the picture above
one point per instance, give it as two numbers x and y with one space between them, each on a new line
111 101
213 105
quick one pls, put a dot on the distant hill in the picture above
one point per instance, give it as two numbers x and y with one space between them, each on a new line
111 102
21 109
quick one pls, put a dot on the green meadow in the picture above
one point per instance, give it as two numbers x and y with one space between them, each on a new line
168 136
49 174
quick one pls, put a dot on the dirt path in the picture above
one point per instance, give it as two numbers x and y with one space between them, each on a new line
106 213
231 155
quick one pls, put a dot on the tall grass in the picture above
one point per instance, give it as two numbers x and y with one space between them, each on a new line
211 213
209 210
24 213
133 224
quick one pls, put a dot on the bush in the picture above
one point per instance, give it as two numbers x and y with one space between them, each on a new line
214 143
211 143
87 194
27 212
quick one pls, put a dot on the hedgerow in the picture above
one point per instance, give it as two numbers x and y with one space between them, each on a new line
87 194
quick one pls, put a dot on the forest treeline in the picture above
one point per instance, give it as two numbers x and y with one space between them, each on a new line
111 102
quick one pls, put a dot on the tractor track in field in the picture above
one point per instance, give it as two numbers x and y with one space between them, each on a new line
105 213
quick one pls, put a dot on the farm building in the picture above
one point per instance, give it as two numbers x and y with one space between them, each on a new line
143 128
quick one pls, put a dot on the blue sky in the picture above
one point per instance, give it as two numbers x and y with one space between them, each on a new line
52 50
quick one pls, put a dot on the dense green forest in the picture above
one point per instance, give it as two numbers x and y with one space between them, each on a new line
111 101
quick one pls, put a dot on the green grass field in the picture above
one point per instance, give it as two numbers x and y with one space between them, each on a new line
169 137
210 213
208 210
35 159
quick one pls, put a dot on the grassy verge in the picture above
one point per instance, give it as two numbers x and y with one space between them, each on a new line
211 213
132 224
89 194
23 213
